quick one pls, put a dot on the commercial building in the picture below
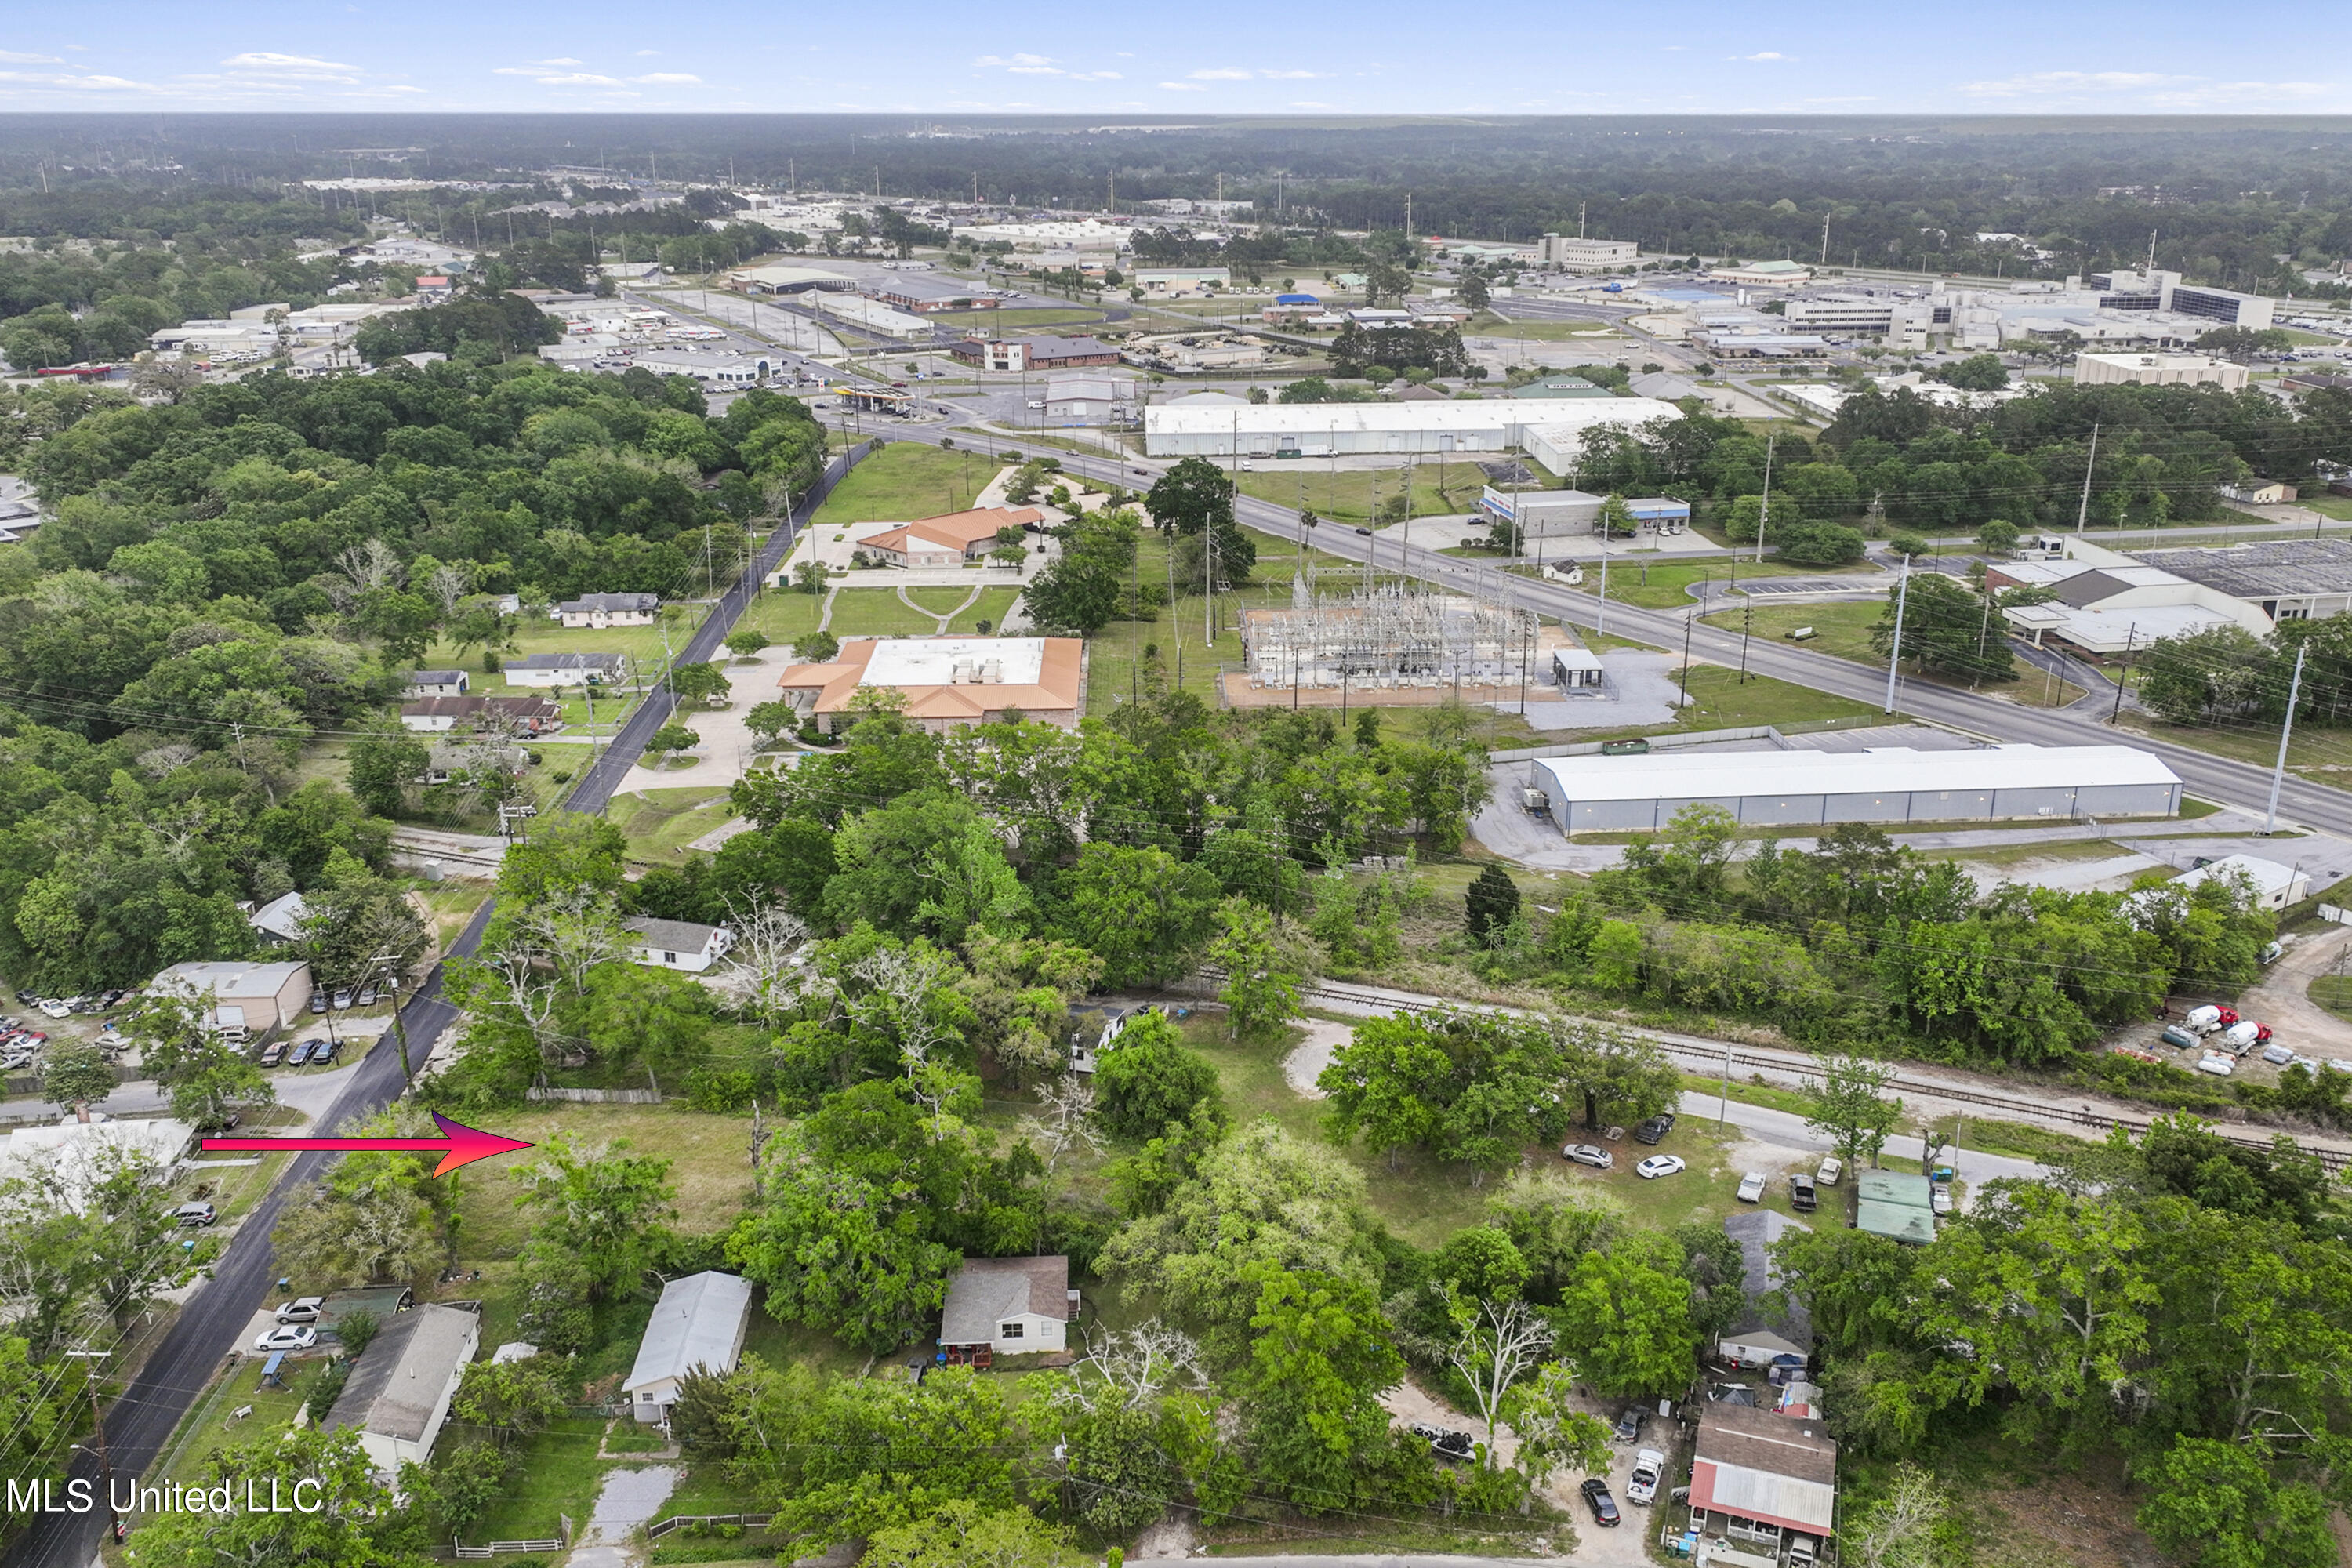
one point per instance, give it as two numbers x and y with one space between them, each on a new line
1764 1480
1080 399
947 682
1008 1306
1551 429
2258 493
1772 274
600 611
1019 355
2159 370
788 280
1560 384
684 945
1556 514
242 994
399 1392
560 669
1181 282
925 295
872 316
950 540
2285 579
2275 886
1892 783
1084 234
1574 253
2109 603
697 1326
710 368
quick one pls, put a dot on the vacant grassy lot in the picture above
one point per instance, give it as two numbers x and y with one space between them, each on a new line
2322 754
1840 627
1026 318
1660 584
1349 495
709 1164
906 480
660 822
781 615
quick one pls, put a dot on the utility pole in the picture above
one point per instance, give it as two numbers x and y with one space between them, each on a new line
2083 512
1825 239
1895 658
2123 676
98 1423
2286 732
1764 507
391 961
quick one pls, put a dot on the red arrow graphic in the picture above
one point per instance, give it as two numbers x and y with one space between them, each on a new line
458 1145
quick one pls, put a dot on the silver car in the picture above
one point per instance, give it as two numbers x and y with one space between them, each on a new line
1591 1154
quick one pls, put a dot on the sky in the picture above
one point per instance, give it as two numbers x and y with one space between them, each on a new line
1212 57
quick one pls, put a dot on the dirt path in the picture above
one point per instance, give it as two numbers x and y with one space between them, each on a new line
1306 1061
2281 998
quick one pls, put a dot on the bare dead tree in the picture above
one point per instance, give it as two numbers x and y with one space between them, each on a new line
767 972
449 583
1496 1343
1065 1119
1124 1370
369 565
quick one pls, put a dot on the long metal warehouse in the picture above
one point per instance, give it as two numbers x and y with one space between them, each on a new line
1891 783
1551 429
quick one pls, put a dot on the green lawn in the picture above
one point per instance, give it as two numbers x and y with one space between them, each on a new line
1655 584
992 606
907 481
559 1476
940 600
1727 702
660 822
783 615
1841 627
877 612
1026 318
1489 325
213 1425
2321 753
1348 495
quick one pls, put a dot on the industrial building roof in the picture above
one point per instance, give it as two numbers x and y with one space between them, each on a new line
1879 771
696 1324
1186 418
230 978
2263 571
2269 876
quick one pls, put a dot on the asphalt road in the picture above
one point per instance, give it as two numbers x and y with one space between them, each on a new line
143 1416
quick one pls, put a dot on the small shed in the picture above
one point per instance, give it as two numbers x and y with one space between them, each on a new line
1896 1204
1013 1305
1574 669
698 1326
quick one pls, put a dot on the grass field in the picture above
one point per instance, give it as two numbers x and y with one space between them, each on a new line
660 822
1655 584
1025 318
1724 701
708 1157
992 606
1348 495
2322 754
906 480
782 614
940 600
1841 627
877 612
2333 992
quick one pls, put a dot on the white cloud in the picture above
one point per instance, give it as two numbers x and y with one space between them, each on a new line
61 82
13 58
1223 73
648 54
1767 55
669 79
1029 64
547 77
1035 70
1183 86
267 60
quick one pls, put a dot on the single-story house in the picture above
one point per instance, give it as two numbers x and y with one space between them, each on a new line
382 1302
279 920
948 683
244 993
598 611
555 670
437 683
1013 1305
76 1157
525 715
950 540
400 1387
677 944
2275 886
1764 1480
1758 1336
697 1326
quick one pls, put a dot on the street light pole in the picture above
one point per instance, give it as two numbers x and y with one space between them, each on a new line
1895 657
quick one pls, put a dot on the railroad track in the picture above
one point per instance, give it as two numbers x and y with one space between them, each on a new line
1791 1064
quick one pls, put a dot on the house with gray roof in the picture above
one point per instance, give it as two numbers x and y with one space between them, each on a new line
677 944
1760 1335
437 682
400 1388
698 1326
554 669
1012 1305
598 611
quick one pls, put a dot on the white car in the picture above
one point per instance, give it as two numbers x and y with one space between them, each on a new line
56 1007
1939 1198
1657 1166
1832 1169
1752 1187
290 1337
1642 1487
301 1310
2221 1064
1591 1154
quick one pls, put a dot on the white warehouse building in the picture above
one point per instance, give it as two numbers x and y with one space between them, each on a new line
1551 429
1596 794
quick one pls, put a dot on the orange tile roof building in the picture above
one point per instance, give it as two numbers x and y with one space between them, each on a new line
948 683
950 539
